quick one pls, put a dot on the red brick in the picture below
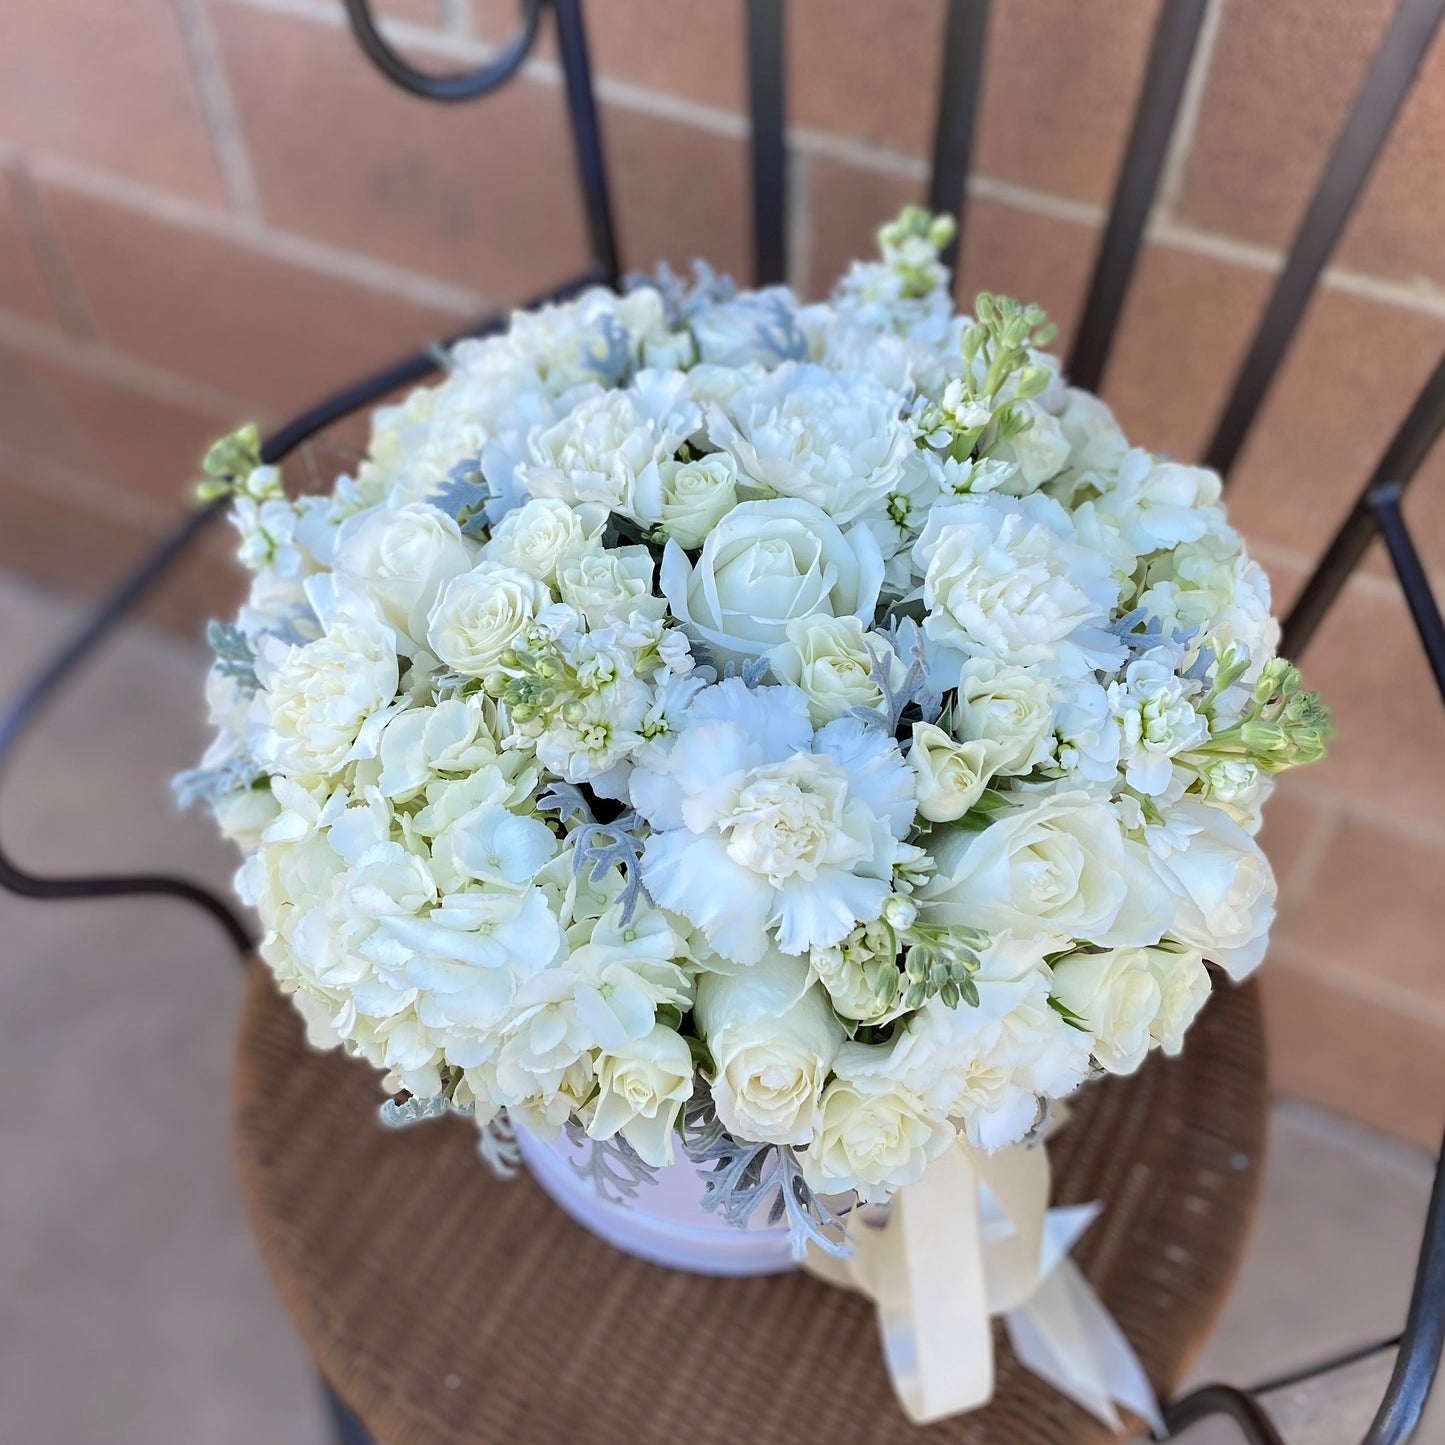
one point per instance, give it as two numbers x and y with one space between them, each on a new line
107 85
276 334
483 194
1290 71
85 540
1293 821
1372 909
93 427
23 288
1348 1052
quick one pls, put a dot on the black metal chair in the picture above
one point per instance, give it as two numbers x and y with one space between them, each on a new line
1376 510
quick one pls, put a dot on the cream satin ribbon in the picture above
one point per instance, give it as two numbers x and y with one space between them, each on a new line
974 1238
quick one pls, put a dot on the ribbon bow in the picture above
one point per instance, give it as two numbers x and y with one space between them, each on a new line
974 1237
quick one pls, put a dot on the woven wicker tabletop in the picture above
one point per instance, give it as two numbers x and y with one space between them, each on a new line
450 1308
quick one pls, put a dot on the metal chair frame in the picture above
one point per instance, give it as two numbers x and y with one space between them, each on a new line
1375 512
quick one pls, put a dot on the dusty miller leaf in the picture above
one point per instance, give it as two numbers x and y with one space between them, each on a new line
235 657
739 1177
612 1166
612 845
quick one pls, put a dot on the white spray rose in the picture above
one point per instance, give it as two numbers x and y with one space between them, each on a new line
1002 578
1116 995
690 498
833 438
1183 988
828 659
874 1136
611 585
403 557
1056 865
543 533
950 775
765 564
1223 888
773 1036
642 1087
1009 709
482 613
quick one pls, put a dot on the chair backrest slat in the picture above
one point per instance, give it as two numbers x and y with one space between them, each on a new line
766 96
586 137
1172 50
1397 467
1383 92
964 39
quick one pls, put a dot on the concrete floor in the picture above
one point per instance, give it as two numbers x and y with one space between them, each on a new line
133 1308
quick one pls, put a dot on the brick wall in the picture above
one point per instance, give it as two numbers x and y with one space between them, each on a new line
213 210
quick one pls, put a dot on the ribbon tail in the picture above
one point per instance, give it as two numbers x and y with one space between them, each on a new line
1066 1336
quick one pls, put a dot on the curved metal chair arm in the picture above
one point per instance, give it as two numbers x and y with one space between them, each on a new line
465 86
1215 1400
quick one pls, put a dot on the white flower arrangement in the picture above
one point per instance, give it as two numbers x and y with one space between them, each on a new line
709 717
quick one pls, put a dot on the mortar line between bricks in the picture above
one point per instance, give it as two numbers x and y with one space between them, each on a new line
50 255
1348 807
287 246
1383 587
1384 993
96 358
214 90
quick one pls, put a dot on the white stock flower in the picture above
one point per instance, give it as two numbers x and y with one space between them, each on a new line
1002 578
760 827
1058 866
324 703
835 439
403 556
482 613
1156 721
1088 732
874 1135
829 660
642 1086
765 565
773 1037
1009 709
1223 887
542 533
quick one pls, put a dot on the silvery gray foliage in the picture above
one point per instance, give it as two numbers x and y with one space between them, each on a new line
210 785
401 1113
608 845
752 671
608 354
464 497
568 801
235 657
917 687
498 1146
612 1166
739 1177
681 297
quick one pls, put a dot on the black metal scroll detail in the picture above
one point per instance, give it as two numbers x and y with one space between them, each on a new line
444 87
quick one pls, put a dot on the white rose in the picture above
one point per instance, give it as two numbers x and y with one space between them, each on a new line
772 1036
610 586
1003 578
1223 888
873 1136
642 1087
692 497
482 613
1116 995
1184 987
832 438
542 533
828 659
403 557
1009 709
1056 865
765 564
245 814
950 775
324 704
